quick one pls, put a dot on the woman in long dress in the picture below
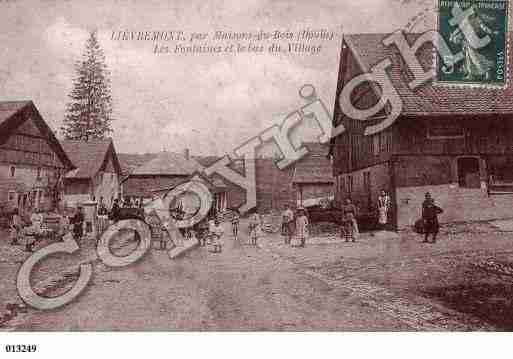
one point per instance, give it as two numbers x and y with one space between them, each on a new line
383 209
302 227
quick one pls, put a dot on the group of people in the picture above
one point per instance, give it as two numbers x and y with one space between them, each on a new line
295 226
33 231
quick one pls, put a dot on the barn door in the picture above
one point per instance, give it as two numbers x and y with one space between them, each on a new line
468 172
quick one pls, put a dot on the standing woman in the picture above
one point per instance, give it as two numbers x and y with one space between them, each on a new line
383 209
103 219
235 224
302 226
16 227
288 224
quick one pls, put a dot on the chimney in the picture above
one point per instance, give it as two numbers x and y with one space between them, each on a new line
187 154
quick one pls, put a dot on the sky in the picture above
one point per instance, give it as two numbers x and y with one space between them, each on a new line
209 103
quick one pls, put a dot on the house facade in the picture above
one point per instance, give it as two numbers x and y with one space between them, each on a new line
32 161
97 172
164 172
454 142
313 177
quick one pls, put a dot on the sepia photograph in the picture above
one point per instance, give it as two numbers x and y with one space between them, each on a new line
254 167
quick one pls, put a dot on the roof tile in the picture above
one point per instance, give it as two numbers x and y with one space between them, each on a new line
430 98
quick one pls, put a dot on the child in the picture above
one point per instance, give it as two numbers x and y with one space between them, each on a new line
255 228
156 229
235 224
302 227
347 229
64 227
349 224
217 232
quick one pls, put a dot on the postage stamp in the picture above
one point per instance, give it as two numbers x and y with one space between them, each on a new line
476 35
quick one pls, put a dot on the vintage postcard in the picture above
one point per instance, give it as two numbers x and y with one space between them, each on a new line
284 166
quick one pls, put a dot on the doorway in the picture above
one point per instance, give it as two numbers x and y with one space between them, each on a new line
468 172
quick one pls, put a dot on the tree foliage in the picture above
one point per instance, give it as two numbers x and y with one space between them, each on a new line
88 114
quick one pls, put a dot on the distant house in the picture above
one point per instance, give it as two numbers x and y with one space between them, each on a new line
96 175
164 171
313 176
149 175
32 160
130 161
454 142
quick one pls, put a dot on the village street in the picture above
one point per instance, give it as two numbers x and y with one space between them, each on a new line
382 282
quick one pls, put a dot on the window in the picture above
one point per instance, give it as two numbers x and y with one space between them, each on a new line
11 196
366 180
349 184
341 184
12 171
444 132
39 173
375 144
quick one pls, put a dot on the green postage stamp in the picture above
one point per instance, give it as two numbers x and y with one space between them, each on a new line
476 33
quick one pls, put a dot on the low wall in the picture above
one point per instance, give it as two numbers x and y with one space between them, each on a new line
459 204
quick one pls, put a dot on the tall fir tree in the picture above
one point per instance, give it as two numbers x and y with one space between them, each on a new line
88 114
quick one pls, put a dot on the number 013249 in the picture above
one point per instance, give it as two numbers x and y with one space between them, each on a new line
21 348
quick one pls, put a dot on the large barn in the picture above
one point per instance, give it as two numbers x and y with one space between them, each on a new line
455 142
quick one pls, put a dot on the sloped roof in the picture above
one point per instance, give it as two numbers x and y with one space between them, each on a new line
314 167
88 157
130 161
10 120
169 163
9 108
206 161
431 98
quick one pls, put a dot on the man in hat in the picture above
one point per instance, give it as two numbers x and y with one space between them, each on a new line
430 214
